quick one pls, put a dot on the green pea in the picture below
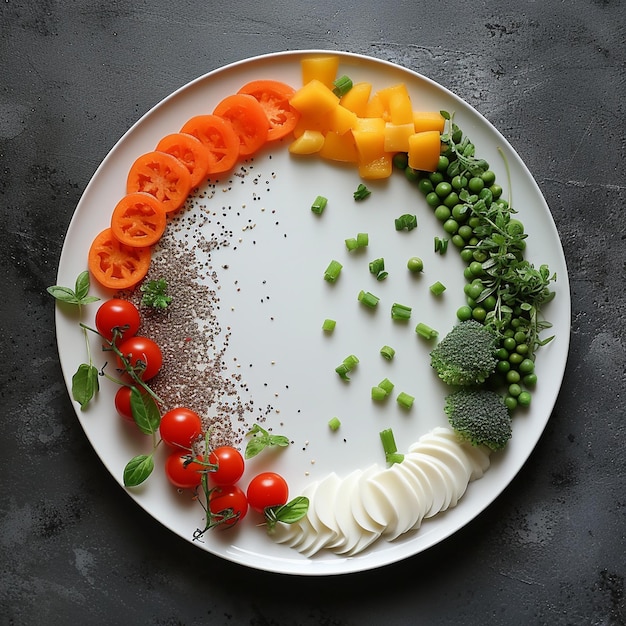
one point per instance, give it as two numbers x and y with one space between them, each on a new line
502 353
435 178
457 240
467 254
476 268
415 264
515 357
475 184
522 348
509 344
520 336
400 160
425 186
503 367
443 163
465 231
459 182
513 377
442 212
515 390
527 366
490 303
443 189
479 314
510 402
464 313
411 175
489 177
524 398
451 226
530 380
451 199
432 199
460 212
496 191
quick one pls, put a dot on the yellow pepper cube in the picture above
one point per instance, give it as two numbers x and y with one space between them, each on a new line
369 136
374 108
314 99
357 98
397 137
424 150
339 147
323 68
428 120
309 142
396 101
377 168
342 120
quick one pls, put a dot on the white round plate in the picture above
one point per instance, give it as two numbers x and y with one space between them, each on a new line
274 299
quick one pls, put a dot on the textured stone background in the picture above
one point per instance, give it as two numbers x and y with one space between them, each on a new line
75 74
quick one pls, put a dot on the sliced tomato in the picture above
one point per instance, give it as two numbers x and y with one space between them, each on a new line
274 97
190 151
161 175
248 120
115 265
219 138
138 220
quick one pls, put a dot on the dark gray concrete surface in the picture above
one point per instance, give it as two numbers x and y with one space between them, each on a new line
74 75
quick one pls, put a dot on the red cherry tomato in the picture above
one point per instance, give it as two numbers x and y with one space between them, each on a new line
181 475
179 427
229 500
117 313
140 350
230 465
267 489
122 403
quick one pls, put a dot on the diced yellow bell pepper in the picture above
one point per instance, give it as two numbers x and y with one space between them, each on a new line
378 168
314 99
374 108
369 136
396 103
397 137
428 120
323 68
309 142
356 99
342 120
424 150
339 147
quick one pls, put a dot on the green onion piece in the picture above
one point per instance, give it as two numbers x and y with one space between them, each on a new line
329 325
378 394
387 352
368 299
319 205
386 385
400 312
332 271
342 86
361 192
362 240
441 245
405 400
425 331
406 222
437 288
343 370
389 446
382 275
334 423
350 361
352 244
377 266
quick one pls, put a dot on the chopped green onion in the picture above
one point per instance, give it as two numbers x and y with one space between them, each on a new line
352 244
382 275
400 312
329 325
342 86
386 385
334 423
362 240
346 366
441 245
437 288
425 331
415 264
319 205
387 352
389 446
376 266
406 222
332 271
405 400
378 393
361 192
368 299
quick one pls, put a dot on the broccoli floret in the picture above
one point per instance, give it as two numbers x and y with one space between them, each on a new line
466 355
480 417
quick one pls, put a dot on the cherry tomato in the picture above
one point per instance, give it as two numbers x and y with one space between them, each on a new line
163 176
225 499
142 350
115 265
179 427
267 489
122 403
230 465
181 475
117 313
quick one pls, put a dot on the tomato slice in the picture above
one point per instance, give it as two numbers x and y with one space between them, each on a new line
115 265
161 175
190 151
274 97
248 120
138 220
218 137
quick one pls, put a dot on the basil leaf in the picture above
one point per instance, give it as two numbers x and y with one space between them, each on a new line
254 446
145 411
138 469
85 384
64 294
289 513
278 440
82 286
